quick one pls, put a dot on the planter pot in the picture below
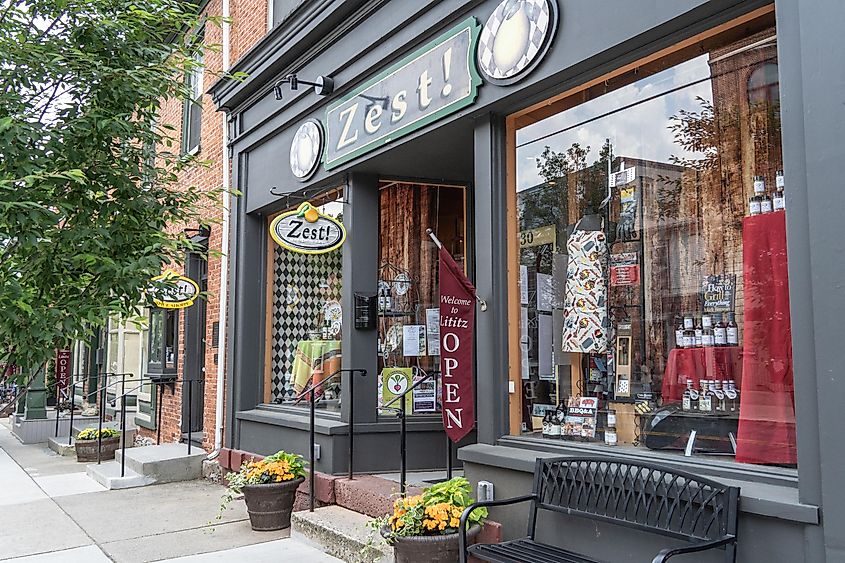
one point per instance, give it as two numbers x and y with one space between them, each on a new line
86 450
431 549
269 506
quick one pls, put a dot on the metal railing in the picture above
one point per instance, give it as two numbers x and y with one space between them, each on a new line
311 394
402 414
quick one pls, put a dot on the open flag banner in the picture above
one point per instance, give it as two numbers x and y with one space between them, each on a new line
457 322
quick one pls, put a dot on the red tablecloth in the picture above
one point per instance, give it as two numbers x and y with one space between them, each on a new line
697 364
767 403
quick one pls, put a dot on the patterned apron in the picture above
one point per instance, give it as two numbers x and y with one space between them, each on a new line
585 321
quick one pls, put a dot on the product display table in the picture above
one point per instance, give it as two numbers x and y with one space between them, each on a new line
672 429
314 360
767 401
723 363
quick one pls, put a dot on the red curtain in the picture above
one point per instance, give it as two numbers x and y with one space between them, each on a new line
767 400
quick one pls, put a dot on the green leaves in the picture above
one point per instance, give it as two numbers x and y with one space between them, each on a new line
90 203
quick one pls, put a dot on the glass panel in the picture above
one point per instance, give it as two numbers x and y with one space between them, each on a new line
652 261
171 338
306 323
408 305
156 337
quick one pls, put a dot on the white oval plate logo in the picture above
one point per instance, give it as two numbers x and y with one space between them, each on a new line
307 231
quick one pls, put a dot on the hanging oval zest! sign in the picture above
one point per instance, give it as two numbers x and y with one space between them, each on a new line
180 294
307 231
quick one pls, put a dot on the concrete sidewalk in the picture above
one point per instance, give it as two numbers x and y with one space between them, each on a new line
53 512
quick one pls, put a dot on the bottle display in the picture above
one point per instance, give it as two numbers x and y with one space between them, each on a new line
732 330
610 437
679 334
755 204
689 333
732 396
721 403
704 402
778 201
765 203
699 333
687 403
720 332
708 337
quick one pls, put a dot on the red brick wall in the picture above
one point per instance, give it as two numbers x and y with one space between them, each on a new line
249 25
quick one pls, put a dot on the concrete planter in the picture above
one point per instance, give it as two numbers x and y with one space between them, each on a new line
86 450
270 506
431 549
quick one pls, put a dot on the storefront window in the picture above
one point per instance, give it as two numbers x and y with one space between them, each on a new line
305 322
408 308
652 282
164 341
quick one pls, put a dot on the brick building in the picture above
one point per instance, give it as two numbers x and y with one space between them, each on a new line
198 354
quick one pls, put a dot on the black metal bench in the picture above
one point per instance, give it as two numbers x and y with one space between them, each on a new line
644 497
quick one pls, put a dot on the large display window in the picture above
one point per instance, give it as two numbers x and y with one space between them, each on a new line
649 269
304 319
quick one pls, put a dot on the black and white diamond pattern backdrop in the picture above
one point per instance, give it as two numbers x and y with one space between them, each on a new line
527 24
302 284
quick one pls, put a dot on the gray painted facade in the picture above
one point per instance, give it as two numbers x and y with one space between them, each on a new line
787 515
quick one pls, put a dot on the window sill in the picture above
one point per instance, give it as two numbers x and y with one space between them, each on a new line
771 499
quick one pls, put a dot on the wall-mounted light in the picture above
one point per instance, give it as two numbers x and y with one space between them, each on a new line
323 85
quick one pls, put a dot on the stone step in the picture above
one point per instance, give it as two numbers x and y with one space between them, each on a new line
61 447
166 463
369 494
341 533
108 475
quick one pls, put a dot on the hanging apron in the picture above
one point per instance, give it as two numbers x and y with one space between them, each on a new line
585 322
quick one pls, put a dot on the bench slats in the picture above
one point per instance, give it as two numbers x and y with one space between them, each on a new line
526 551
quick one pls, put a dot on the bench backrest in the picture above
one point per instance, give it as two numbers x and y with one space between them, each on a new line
642 496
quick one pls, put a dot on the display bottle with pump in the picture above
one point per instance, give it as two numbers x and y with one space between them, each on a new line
687 403
721 399
703 398
708 337
755 204
733 396
778 200
610 437
679 334
699 333
720 332
689 333
732 330
694 396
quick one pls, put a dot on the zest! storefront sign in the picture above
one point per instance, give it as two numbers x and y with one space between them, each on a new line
437 80
307 231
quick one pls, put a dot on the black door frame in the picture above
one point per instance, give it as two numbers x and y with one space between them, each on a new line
193 384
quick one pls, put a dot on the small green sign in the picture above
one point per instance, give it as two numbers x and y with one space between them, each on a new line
437 80
394 382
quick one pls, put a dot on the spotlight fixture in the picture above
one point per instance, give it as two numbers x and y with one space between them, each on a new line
323 85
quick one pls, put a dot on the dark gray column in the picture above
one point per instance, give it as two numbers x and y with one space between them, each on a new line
810 53
491 280
246 338
360 275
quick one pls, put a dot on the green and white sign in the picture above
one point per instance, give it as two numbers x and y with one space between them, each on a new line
435 81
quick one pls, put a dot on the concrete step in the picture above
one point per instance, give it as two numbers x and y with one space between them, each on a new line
340 533
61 447
108 475
165 463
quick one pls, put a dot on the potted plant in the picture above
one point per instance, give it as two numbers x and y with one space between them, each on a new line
88 441
269 489
425 527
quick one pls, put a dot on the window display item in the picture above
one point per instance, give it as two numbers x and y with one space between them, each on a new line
585 313
778 200
732 331
708 336
720 333
580 421
755 204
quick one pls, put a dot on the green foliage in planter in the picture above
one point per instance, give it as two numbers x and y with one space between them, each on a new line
277 468
93 434
436 511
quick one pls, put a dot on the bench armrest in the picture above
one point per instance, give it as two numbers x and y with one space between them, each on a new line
669 552
462 529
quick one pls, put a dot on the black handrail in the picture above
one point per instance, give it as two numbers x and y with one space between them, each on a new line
312 421
401 412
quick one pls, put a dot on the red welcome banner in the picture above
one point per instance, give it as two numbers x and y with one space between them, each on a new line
457 322
62 368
